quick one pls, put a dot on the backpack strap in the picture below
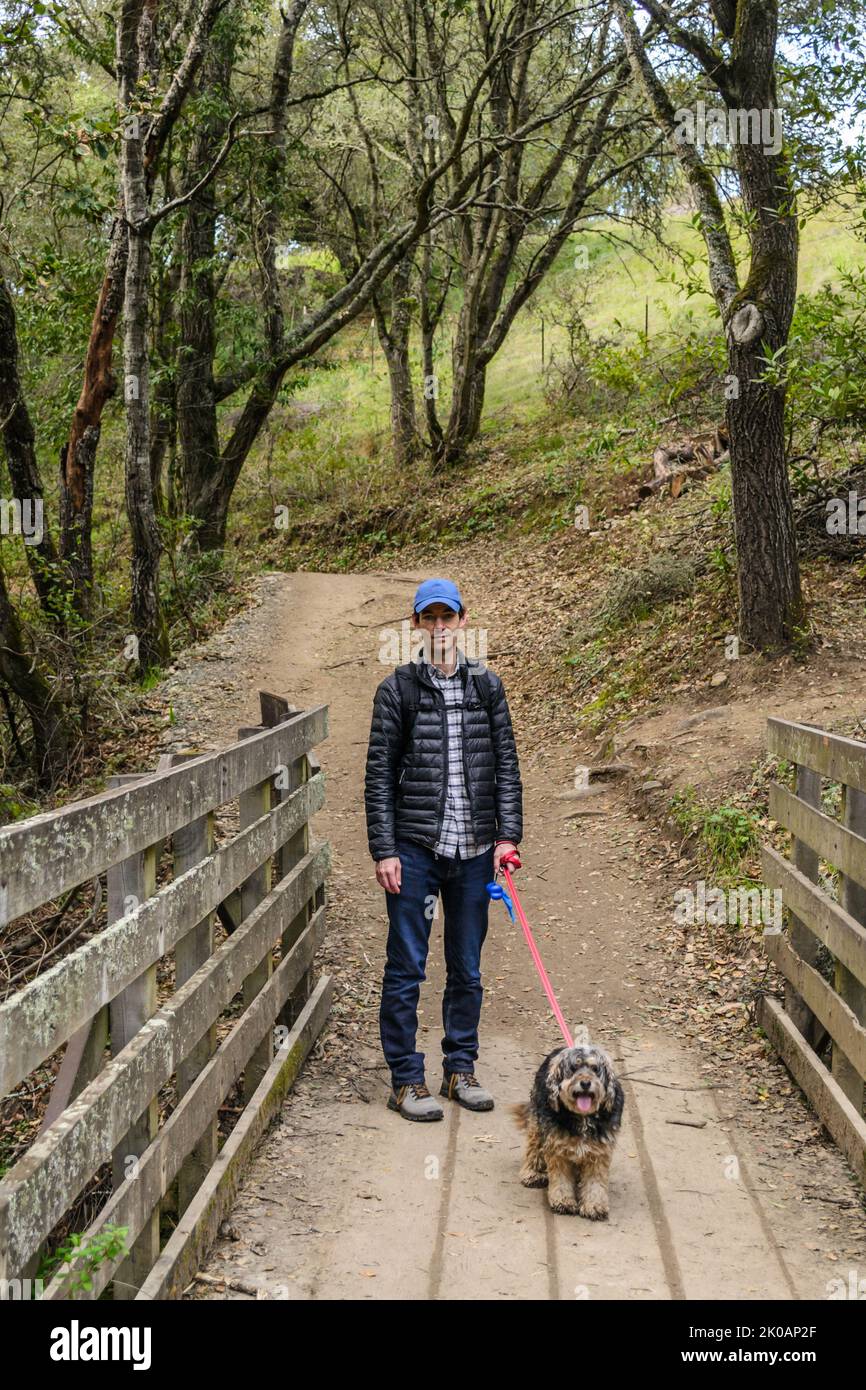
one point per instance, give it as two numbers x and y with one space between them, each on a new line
410 697
485 691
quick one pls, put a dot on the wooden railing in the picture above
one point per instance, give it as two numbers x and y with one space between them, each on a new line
268 889
818 1012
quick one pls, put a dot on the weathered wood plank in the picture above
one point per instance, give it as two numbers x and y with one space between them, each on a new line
48 854
37 1191
808 788
129 884
840 1022
830 923
190 845
254 803
130 1205
847 1069
832 840
198 1228
40 1017
833 1107
833 756
294 849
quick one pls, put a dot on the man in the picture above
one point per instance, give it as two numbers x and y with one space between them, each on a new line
444 804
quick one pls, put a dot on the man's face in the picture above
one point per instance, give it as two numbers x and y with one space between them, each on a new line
440 625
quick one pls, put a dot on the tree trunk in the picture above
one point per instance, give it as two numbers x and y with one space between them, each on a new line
78 455
758 321
20 441
767 564
196 402
163 415
135 37
467 388
50 720
757 318
395 345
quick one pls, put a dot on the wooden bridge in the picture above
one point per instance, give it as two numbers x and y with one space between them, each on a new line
148 1000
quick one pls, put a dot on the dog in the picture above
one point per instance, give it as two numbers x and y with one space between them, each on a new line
572 1121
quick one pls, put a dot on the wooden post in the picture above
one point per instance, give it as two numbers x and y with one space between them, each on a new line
190 845
255 803
848 987
134 878
81 1061
807 786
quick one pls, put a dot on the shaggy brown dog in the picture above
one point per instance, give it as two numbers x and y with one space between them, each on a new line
572 1121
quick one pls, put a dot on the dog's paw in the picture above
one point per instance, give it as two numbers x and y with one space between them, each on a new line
594 1213
534 1179
566 1206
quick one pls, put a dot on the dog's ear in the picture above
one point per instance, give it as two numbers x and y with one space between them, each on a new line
554 1078
613 1093
614 1100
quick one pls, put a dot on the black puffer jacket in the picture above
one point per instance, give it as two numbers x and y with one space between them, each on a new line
404 793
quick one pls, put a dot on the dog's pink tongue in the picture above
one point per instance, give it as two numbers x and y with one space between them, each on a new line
584 1104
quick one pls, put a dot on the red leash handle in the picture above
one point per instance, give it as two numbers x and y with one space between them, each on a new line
512 857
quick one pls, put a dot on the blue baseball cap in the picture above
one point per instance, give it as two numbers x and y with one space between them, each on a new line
437 591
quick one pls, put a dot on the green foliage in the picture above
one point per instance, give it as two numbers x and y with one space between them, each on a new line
727 834
824 364
85 1257
14 805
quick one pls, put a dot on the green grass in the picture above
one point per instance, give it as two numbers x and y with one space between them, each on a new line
726 835
355 391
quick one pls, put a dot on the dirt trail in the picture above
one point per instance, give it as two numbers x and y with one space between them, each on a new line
347 1200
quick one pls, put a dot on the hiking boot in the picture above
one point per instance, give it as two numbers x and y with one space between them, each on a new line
415 1102
464 1087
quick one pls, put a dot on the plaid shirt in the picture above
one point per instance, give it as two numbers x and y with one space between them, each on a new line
456 831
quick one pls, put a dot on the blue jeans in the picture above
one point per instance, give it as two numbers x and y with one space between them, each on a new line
463 886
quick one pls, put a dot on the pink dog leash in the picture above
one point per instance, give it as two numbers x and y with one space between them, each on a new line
497 891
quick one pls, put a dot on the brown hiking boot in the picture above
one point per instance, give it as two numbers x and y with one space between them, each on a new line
414 1102
464 1087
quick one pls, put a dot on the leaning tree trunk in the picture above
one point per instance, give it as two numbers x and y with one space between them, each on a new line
467 391
78 455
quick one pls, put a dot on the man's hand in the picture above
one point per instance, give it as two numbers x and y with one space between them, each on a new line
388 874
506 847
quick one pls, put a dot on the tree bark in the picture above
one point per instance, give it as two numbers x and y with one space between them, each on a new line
135 44
20 441
51 723
394 339
163 415
198 431
78 455
756 317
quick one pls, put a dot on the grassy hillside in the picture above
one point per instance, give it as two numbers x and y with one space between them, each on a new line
326 453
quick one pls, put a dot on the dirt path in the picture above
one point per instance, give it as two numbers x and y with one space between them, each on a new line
711 1197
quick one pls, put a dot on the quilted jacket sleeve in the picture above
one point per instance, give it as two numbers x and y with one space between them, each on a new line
380 780
509 788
